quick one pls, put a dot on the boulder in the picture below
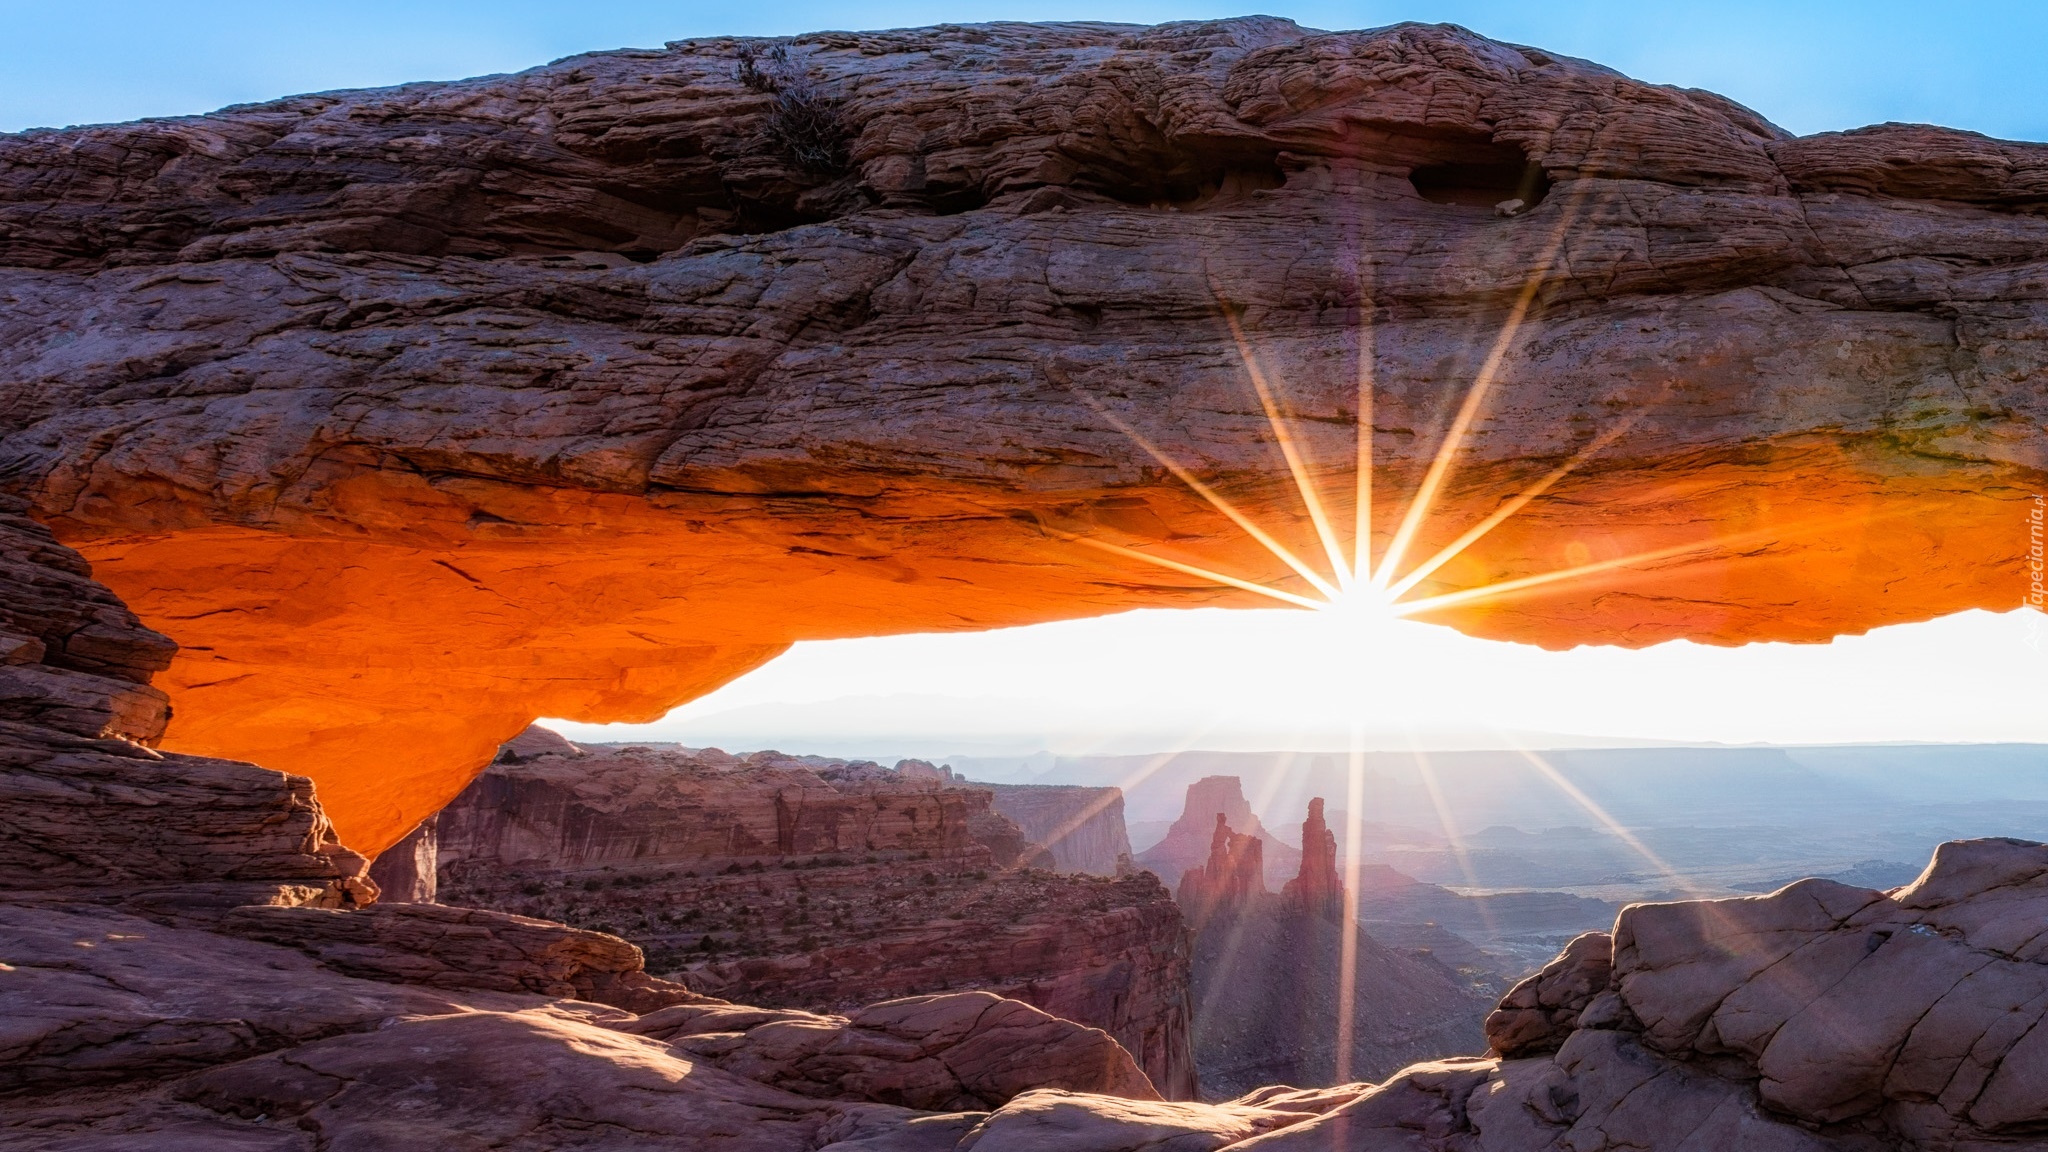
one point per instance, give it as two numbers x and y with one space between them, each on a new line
1538 1013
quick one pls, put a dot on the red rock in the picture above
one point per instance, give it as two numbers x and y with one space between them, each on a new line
1188 843
1538 1014
1082 828
957 1052
91 812
810 883
384 372
1232 880
1317 889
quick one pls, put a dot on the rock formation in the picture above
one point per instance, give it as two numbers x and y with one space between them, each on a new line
1316 889
417 413
804 882
1230 881
1188 844
188 960
88 810
1287 991
405 872
1820 1018
1081 827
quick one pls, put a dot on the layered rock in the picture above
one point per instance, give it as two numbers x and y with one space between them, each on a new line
820 884
126 1033
418 413
576 808
1082 828
241 998
1188 844
90 810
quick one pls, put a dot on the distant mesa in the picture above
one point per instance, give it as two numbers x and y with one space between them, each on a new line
1187 844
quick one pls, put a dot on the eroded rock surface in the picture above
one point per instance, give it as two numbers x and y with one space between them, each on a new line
417 413
88 809
820 884
959 1052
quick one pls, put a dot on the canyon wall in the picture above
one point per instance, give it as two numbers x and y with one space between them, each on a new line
417 413
1082 827
805 882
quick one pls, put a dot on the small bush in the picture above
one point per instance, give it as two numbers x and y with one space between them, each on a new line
805 123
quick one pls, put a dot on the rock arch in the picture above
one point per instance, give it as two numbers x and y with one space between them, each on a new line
413 414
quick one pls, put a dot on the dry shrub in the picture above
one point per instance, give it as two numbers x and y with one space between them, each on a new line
805 123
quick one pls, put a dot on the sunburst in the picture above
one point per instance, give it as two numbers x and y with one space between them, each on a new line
1355 584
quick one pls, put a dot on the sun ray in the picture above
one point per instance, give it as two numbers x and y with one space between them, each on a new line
1521 584
1188 569
1450 551
1563 784
1526 584
1452 836
1361 516
1215 499
1280 421
1475 396
1347 948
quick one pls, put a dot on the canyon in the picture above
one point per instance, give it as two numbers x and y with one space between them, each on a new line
392 420
416 414
1288 987
819 884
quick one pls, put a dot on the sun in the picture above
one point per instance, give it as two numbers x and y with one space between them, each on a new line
1363 609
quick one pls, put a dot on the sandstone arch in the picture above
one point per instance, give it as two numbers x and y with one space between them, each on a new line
413 414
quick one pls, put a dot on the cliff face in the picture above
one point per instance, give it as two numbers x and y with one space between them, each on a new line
418 413
819 884
1083 828
192 961
89 811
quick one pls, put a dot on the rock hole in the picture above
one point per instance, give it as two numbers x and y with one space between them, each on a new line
1483 176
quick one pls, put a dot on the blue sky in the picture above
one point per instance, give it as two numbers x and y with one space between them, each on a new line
1809 66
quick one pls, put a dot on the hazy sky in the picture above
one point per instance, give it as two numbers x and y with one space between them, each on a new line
1216 678
1150 679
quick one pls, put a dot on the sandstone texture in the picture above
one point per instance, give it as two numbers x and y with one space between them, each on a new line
960 1052
1820 1017
819 884
1538 1014
88 809
1082 828
416 413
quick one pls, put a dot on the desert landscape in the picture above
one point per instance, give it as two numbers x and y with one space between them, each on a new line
359 449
